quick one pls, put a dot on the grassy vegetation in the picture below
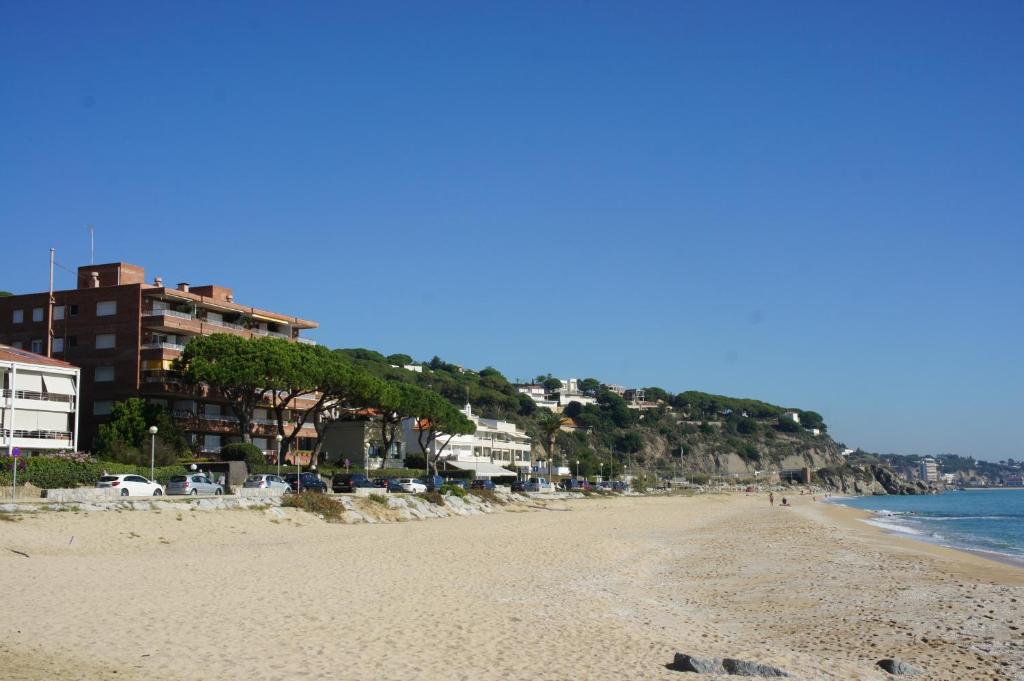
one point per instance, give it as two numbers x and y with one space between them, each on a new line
378 499
488 496
435 498
317 504
454 490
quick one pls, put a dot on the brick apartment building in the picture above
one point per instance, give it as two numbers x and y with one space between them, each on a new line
124 333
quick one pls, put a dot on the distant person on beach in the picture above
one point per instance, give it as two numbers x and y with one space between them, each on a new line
785 502
771 498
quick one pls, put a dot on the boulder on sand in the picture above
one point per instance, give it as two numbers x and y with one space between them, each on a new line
898 667
728 665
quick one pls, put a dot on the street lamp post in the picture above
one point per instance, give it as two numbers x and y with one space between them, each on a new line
279 438
577 469
152 452
600 470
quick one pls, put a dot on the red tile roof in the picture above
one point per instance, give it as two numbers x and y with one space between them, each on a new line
9 354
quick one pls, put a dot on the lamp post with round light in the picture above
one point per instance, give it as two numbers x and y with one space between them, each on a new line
577 469
153 430
279 438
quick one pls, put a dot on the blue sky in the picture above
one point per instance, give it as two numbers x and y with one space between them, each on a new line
816 204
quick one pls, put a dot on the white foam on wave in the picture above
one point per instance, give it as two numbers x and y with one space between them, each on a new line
892 526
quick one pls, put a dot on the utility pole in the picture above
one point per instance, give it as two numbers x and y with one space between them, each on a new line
49 310
92 245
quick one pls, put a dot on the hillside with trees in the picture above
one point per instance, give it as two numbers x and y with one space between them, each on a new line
690 431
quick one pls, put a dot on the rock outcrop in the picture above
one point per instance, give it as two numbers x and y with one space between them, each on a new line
728 665
871 479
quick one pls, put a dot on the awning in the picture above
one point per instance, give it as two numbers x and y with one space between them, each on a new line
60 385
29 382
482 469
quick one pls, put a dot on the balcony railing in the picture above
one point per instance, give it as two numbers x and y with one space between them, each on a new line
226 325
305 341
163 346
37 434
170 313
42 397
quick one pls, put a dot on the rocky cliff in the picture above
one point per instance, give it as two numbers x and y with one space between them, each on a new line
871 479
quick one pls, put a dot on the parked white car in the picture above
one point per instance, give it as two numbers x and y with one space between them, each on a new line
131 485
264 481
411 485
539 485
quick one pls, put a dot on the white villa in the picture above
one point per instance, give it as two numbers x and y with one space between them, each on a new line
494 445
559 399
38 403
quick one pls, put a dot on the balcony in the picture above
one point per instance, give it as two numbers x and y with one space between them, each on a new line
50 435
163 346
40 397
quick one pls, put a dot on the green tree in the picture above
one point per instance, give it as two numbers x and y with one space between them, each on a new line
399 360
125 436
546 432
655 394
812 419
233 366
438 421
552 384
589 386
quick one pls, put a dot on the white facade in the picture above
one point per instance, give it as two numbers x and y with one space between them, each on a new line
38 403
559 399
498 442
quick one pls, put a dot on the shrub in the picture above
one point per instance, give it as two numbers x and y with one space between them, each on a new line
244 451
487 495
76 470
453 489
434 498
316 503
378 499
639 485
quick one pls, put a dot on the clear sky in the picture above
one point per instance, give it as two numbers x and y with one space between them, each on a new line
817 204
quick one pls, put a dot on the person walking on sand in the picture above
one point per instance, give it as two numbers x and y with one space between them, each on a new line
771 498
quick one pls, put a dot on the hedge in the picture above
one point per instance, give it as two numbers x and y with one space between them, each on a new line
51 472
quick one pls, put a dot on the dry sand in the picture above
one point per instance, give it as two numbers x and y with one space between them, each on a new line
609 589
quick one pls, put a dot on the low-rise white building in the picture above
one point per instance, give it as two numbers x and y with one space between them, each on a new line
557 400
38 403
495 445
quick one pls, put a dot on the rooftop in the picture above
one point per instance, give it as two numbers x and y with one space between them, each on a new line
9 354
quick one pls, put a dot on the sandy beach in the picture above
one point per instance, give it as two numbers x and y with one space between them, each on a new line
594 589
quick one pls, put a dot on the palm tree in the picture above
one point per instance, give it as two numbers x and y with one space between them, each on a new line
547 430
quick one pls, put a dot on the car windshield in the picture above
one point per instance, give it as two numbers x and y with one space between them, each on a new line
177 478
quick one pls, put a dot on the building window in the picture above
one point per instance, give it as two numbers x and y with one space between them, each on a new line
104 374
58 345
58 312
18 316
37 314
72 341
74 310
37 346
106 308
105 341
102 407
17 345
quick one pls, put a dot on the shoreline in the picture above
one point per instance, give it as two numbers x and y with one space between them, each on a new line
866 517
610 589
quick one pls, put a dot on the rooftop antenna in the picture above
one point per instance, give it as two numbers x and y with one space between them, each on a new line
49 309
92 245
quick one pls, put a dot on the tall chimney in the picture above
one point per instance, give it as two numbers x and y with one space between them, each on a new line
94 280
183 287
159 282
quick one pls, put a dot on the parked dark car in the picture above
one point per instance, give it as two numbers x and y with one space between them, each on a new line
395 485
620 486
482 484
457 482
379 482
570 485
519 486
348 482
309 482
433 482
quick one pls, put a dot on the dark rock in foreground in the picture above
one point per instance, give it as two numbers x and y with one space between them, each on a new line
728 665
899 667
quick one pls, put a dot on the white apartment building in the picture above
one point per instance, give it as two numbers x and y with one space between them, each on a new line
494 445
929 469
38 403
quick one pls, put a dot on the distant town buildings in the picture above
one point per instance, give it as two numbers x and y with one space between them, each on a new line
38 403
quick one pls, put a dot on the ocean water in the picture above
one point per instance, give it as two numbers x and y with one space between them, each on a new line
989 521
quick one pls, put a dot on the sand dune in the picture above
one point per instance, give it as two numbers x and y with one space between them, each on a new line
610 589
